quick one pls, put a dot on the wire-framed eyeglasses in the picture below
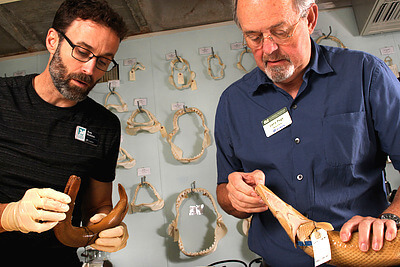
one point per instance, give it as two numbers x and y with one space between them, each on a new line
84 55
278 35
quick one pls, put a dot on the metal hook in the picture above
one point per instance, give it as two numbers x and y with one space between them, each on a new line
329 34
244 44
212 52
142 180
184 108
112 91
192 186
139 106
176 54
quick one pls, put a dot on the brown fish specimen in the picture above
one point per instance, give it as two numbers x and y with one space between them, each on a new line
73 236
300 228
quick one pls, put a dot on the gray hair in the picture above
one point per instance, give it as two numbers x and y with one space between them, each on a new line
301 7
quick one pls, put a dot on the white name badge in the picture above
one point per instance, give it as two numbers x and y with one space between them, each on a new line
276 122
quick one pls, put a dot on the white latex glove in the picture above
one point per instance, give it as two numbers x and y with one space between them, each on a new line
39 210
110 240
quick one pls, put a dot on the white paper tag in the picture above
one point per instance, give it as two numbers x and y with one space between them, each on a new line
143 171
388 50
132 75
321 247
170 56
205 50
113 83
19 73
177 105
276 122
237 46
181 79
140 101
130 61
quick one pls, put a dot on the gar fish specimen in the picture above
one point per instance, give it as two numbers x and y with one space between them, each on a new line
73 236
300 228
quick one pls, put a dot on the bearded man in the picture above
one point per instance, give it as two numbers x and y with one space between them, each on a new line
313 123
50 129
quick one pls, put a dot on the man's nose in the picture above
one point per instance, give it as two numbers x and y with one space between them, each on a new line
269 46
89 66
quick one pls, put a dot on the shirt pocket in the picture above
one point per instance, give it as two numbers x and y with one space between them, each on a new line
345 138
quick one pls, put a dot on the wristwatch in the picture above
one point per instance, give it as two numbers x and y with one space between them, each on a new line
391 216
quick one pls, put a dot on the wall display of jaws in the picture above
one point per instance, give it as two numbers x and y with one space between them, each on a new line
148 230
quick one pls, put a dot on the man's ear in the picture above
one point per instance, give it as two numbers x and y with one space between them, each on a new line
312 18
52 40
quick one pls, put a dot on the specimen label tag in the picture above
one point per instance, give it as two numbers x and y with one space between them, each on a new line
321 247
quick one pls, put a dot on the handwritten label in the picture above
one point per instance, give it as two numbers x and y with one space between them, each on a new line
143 171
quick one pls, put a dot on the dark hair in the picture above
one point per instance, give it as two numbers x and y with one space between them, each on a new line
95 10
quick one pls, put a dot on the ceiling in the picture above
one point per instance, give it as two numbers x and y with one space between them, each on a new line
24 23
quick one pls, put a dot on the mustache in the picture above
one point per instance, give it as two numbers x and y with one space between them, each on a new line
81 77
275 57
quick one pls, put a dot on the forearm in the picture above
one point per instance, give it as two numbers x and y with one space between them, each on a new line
395 206
226 205
96 199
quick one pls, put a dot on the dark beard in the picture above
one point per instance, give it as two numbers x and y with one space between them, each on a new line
61 80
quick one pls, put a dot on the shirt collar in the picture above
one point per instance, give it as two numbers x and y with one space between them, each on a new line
318 64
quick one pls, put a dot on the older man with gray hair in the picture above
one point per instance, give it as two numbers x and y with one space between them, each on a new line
337 119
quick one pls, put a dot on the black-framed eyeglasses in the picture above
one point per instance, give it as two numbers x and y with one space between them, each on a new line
84 55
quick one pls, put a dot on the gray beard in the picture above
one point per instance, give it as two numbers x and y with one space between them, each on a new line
61 80
279 74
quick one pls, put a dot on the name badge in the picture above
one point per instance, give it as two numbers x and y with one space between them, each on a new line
276 122
84 135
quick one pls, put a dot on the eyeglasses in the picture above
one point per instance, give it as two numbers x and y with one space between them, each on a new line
278 36
84 55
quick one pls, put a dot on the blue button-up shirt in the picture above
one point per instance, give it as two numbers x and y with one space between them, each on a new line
328 163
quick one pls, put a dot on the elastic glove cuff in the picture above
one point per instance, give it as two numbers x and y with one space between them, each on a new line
8 218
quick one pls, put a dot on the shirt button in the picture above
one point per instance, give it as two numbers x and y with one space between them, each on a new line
294 106
299 177
297 140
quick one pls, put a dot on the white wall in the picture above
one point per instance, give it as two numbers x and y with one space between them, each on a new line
149 244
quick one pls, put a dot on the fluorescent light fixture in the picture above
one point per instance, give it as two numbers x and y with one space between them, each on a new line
326 5
7 1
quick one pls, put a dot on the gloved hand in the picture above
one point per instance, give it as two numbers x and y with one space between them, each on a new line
39 210
110 240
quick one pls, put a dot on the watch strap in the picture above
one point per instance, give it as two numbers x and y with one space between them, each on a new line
391 216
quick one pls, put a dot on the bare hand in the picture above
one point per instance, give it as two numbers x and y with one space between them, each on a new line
380 230
241 191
